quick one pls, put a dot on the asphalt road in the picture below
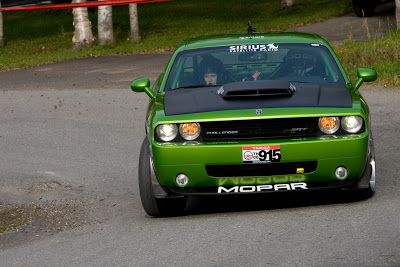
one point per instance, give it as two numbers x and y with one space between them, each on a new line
70 135
337 30
86 151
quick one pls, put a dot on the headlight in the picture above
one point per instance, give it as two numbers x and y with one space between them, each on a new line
167 132
190 131
352 124
329 125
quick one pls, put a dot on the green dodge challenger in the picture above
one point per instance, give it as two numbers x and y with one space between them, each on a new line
252 114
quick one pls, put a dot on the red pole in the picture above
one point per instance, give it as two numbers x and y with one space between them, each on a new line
75 5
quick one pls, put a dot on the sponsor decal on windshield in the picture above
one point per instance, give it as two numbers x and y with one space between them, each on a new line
253 48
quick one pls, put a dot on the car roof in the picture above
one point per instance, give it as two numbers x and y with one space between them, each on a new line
255 38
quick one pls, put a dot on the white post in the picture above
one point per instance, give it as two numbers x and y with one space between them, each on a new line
286 3
1 28
133 15
398 13
83 36
105 25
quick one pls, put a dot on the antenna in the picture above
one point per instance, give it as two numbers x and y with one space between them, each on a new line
250 30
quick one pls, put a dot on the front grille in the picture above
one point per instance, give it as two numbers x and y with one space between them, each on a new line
260 129
267 169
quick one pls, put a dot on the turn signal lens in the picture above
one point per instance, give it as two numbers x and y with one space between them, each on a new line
352 124
190 131
167 132
329 125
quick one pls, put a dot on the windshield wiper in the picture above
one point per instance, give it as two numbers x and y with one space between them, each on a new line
191 86
195 86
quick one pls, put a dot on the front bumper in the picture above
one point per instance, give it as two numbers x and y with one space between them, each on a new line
348 184
328 152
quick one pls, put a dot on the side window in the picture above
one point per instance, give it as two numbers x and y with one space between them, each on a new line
186 75
157 84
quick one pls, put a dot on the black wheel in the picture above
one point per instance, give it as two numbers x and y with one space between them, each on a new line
364 8
365 193
370 191
149 189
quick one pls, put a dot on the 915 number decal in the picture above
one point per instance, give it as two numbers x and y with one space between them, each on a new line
269 155
261 154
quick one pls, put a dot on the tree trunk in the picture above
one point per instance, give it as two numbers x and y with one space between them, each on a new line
105 25
83 36
1 28
398 13
133 15
286 3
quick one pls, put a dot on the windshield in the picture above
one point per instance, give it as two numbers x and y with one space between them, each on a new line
309 63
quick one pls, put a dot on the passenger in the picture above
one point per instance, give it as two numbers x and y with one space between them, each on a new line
211 72
210 77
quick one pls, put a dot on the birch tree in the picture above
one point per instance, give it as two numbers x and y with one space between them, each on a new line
286 3
105 25
398 13
134 22
83 35
1 28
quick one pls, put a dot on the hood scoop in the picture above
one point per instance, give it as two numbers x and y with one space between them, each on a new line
256 89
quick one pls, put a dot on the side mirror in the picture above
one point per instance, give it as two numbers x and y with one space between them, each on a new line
365 75
143 85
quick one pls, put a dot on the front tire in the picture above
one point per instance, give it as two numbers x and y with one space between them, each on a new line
369 192
158 207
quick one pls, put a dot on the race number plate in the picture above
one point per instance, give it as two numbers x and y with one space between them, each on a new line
261 154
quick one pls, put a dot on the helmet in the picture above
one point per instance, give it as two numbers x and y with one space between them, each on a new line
211 66
300 62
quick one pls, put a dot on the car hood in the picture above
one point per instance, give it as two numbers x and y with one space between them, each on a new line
195 100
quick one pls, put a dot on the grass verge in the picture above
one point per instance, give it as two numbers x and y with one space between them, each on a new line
40 37
381 54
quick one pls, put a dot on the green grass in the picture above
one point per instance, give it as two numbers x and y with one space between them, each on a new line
11 227
40 37
381 54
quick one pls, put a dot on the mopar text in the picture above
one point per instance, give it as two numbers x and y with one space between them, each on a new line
261 188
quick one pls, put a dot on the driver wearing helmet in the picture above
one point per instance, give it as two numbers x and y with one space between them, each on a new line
301 63
210 77
297 63
211 72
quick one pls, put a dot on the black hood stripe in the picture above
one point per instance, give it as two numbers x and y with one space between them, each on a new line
195 100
